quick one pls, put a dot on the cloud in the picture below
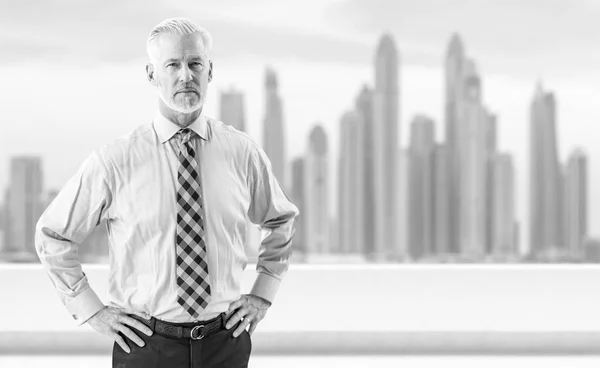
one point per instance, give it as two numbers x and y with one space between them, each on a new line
520 36
71 31
527 39
115 32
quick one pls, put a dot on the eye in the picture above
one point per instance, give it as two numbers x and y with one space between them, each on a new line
171 65
196 64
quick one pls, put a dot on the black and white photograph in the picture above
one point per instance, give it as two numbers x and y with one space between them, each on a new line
316 183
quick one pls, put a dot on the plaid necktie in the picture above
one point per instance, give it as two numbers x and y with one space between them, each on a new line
193 292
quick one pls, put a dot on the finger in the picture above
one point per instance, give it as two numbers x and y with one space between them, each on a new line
252 328
143 315
140 314
236 317
235 305
121 341
131 335
241 327
137 324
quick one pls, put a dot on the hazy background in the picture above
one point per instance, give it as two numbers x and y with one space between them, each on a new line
73 79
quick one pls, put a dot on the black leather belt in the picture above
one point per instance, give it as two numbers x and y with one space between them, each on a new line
195 331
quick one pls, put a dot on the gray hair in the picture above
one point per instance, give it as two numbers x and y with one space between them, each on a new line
181 26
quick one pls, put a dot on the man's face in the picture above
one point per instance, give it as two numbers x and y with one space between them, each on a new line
181 71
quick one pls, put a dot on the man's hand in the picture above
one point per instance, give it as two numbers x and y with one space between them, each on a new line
110 321
251 308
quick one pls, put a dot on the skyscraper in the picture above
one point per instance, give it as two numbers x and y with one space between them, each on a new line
575 204
441 200
364 108
400 253
2 230
420 190
385 148
544 194
591 249
455 85
316 190
94 249
351 186
503 228
273 130
298 198
472 163
232 109
24 203
232 113
490 158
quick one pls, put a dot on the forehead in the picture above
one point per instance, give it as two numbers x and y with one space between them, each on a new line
175 46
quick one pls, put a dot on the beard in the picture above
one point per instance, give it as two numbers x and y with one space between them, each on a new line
181 102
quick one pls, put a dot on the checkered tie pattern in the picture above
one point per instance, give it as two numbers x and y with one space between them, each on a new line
193 292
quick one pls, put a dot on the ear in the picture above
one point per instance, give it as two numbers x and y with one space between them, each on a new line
150 74
210 70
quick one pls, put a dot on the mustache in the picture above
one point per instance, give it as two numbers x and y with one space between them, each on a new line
188 87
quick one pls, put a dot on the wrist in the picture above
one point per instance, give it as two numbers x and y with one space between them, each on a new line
265 301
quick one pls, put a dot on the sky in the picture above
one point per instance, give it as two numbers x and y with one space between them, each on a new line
72 72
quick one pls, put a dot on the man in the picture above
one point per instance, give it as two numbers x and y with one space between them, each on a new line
176 194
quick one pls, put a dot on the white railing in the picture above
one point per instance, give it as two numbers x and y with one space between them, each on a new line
360 309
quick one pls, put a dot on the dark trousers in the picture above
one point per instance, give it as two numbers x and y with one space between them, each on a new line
220 349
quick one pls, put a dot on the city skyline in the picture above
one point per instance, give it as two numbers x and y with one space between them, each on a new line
481 178
333 75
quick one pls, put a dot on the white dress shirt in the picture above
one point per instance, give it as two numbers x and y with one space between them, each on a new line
132 183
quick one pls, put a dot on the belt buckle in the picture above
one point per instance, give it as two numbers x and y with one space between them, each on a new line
199 337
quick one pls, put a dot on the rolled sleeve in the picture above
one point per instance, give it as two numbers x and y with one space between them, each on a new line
78 208
272 210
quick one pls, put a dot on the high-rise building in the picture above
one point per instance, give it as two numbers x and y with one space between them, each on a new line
94 248
2 230
50 197
591 248
385 149
472 162
364 108
298 198
575 204
441 201
454 96
232 113
503 227
544 191
316 191
334 234
400 253
351 185
232 109
491 152
273 129
420 190
5 226
24 204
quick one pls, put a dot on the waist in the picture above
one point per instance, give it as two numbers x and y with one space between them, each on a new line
159 299
188 330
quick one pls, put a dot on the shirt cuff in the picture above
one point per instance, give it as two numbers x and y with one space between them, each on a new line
265 286
84 306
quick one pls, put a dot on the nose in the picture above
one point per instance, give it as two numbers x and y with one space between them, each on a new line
185 74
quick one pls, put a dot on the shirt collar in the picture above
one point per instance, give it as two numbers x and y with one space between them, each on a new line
165 129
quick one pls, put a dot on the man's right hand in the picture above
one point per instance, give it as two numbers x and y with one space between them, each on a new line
110 321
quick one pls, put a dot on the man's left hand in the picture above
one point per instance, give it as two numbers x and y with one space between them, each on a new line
251 308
